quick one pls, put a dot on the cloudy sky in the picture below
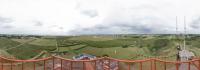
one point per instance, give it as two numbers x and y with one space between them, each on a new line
70 17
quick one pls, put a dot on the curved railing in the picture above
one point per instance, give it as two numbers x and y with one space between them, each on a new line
104 63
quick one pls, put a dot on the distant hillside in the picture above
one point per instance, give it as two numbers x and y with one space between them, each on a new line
117 46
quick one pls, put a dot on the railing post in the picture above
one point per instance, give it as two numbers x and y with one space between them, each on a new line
155 64
165 66
44 65
2 66
177 66
140 65
129 68
83 65
151 64
22 66
71 65
188 65
53 63
118 65
61 64
102 64
95 65
109 64
199 64
34 65
11 65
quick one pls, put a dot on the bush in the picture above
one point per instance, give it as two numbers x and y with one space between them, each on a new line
124 46
159 43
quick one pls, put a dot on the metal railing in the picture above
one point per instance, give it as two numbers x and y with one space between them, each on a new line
104 63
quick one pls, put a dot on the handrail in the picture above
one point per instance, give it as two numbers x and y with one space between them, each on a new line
76 60
17 60
120 60
123 60
105 64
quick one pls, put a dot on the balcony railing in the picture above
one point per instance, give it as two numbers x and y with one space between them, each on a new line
104 63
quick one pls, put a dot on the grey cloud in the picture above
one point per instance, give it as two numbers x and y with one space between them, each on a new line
52 26
7 26
144 7
90 13
112 30
56 26
78 5
5 20
61 28
38 23
195 23
133 27
87 12
143 25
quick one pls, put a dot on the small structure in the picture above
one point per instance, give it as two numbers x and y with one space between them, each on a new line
84 57
185 55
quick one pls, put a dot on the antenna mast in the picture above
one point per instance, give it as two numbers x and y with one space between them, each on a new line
176 26
184 31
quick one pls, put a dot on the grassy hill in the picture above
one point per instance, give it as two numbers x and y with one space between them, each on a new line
121 46
25 49
127 47
44 42
7 43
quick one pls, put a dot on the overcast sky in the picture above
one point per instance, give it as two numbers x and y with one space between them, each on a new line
69 17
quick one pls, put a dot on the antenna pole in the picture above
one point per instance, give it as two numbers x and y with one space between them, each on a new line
184 31
176 25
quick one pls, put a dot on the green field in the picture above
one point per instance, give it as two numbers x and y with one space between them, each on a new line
7 43
44 42
121 46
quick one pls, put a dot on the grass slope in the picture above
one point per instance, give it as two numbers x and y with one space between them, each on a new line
7 43
27 51
44 42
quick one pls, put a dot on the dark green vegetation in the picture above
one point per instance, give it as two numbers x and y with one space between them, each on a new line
110 43
117 46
